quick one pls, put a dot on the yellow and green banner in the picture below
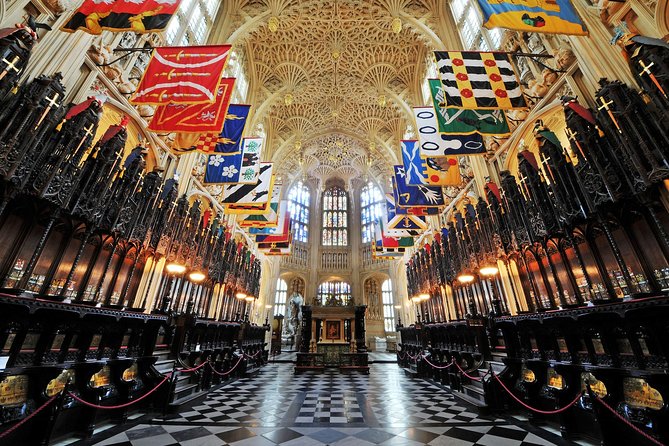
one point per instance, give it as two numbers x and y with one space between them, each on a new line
538 16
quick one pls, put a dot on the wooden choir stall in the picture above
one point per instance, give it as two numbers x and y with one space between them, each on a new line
117 293
580 339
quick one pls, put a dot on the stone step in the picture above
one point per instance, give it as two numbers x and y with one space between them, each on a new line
477 384
183 391
475 393
164 366
497 366
189 398
478 402
161 354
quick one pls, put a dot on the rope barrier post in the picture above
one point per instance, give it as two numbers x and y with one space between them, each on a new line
53 416
172 388
25 420
630 424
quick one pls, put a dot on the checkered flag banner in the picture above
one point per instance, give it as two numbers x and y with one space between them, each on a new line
207 143
479 80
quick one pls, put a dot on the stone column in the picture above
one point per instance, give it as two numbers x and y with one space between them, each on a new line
315 230
596 47
69 47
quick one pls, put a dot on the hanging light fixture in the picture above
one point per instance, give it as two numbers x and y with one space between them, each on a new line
415 299
175 268
249 298
466 277
196 276
489 270
423 297
240 295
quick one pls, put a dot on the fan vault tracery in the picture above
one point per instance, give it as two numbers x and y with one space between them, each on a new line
333 81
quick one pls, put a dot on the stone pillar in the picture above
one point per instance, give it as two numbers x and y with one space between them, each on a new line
596 47
315 228
70 50
355 239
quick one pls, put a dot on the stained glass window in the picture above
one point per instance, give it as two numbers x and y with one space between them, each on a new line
298 206
335 217
388 306
371 208
280 297
334 293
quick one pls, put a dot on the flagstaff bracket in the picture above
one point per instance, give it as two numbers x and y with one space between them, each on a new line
537 56
128 51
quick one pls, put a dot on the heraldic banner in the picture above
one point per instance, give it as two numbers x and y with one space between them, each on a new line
459 121
182 75
538 16
197 118
479 80
435 144
140 16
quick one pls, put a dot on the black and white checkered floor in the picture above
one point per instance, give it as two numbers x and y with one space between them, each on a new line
330 408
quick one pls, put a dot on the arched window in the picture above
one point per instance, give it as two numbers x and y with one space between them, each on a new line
371 209
388 306
334 293
298 206
280 297
335 217
468 20
191 23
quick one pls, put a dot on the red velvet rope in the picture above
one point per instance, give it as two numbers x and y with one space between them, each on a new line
545 412
229 371
548 412
20 423
193 369
437 366
624 420
473 378
96 406
253 356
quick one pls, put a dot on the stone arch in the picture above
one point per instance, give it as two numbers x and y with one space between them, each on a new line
662 18
206 202
553 117
113 111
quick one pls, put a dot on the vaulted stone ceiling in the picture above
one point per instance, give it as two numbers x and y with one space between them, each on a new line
332 82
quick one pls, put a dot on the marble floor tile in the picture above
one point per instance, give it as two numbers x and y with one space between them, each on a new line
280 408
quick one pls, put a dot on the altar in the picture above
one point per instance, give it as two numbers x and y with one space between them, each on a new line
333 335
333 324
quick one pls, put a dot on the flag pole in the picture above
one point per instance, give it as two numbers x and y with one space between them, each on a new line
128 53
537 56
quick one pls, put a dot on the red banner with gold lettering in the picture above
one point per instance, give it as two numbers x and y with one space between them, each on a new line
182 75
198 118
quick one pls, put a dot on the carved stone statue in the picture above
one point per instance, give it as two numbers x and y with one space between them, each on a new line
294 317
296 302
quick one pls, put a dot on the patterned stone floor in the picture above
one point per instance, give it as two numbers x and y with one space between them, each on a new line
278 407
